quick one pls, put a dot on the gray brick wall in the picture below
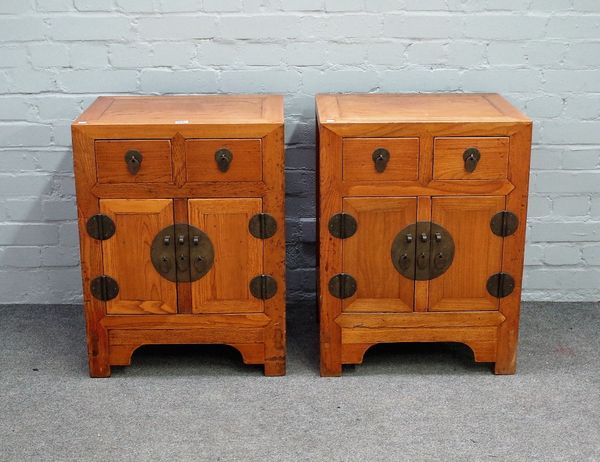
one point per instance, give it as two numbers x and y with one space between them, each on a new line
56 56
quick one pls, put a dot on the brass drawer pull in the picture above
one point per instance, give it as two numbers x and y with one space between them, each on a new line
134 159
471 157
223 157
381 157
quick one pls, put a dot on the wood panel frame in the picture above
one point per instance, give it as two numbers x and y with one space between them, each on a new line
495 340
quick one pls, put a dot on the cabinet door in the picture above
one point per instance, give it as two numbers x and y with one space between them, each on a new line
127 256
367 254
238 255
477 253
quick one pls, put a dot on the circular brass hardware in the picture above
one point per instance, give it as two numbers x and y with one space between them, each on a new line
342 225
471 157
504 223
427 257
263 287
104 288
223 157
100 227
381 157
178 261
500 285
262 226
342 286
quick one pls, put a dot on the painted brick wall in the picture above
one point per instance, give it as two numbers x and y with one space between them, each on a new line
57 55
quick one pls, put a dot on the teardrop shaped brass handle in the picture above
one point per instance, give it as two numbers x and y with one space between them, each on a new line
471 157
133 159
223 158
381 157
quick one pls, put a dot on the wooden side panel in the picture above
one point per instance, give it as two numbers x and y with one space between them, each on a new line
477 254
367 254
155 167
448 162
127 256
245 165
238 255
358 162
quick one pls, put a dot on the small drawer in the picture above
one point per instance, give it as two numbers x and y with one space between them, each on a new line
134 161
470 158
380 159
223 160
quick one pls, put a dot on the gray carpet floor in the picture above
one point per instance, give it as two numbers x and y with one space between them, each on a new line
406 402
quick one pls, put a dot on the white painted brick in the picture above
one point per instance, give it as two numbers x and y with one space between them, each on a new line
19 160
88 56
579 159
427 53
217 53
539 206
54 161
568 81
314 81
260 54
20 257
13 56
582 55
180 6
49 55
221 6
506 53
15 6
22 134
546 158
586 5
17 29
61 131
303 5
25 210
54 5
64 186
306 54
78 28
137 6
261 81
566 278
173 54
570 27
178 27
565 232
166 81
534 255
349 53
545 52
28 234
544 106
591 254
94 5
420 80
24 80
595 208
69 235
52 108
499 26
569 132
582 106
501 80
390 53
571 206
465 53
79 81
59 210
59 256
344 5
124 55
567 182
336 26
421 26
562 254
15 108
259 27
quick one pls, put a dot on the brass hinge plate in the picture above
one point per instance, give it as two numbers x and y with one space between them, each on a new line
500 285
104 288
262 226
263 287
100 227
342 286
342 225
504 223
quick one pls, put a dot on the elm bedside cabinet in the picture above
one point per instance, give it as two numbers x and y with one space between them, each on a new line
422 214
181 222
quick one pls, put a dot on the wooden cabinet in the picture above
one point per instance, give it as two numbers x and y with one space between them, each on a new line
181 220
422 213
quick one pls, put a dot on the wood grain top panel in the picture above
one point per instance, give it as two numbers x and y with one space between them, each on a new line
413 108
184 110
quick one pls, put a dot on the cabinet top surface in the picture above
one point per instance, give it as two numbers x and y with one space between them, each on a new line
411 108
192 110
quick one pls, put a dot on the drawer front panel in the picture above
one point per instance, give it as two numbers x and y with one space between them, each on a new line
359 164
243 160
490 164
153 166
